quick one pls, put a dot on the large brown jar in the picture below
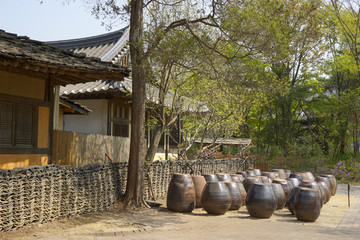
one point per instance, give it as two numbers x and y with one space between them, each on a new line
235 195
294 181
315 186
271 175
250 173
261 201
307 204
290 200
181 193
307 176
210 177
265 179
199 183
243 173
280 195
296 175
224 177
290 183
287 172
284 183
243 194
281 172
216 198
332 181
249 181
323 188
237 178
324 184
257 171
323 179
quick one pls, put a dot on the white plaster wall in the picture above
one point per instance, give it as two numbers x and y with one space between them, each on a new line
95 122
161 156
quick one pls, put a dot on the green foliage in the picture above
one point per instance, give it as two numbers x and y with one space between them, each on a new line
284 73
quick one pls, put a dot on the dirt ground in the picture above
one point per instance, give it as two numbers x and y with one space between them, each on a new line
159 223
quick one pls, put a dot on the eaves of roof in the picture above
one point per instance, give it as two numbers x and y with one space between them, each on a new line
152 93
21 54
75 106
94 87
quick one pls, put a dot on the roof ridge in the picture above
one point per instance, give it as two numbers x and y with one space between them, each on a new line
120 44
89 41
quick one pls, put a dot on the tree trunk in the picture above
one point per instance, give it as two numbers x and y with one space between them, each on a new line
135 180
154 143
356 143
342 135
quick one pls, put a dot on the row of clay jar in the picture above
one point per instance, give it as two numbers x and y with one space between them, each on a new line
262 193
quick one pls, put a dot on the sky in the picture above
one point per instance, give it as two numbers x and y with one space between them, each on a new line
51 20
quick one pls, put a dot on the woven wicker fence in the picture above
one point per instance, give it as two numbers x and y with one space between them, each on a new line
45 193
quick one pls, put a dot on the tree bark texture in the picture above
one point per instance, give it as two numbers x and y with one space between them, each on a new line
135 179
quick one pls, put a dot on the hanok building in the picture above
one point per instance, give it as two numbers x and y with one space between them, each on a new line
110 108
110 101
30 73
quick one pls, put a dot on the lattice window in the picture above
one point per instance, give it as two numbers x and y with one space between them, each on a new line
6 123
120 119
17 125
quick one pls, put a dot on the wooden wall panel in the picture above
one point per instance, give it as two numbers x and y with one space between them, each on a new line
43 127
21 85
80 149
9 161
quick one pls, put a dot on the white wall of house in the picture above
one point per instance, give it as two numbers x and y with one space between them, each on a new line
95 122
161 156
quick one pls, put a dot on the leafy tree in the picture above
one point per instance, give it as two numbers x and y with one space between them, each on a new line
142 45
294 48
233 55
337 105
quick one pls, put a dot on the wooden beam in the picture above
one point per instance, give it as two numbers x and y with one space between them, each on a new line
51 120
72 75
22 71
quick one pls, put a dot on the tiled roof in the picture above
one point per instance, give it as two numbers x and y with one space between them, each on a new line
93 87
75 106
101 86
23 54
112 47
109 47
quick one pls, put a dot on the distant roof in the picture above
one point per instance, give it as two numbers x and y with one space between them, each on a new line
91 88
112 47
21 54
71 107
101 86
109 47
227 141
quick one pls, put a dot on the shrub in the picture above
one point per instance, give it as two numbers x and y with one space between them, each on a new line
347 169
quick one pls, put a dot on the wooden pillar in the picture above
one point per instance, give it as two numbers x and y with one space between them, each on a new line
51 98
56 107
